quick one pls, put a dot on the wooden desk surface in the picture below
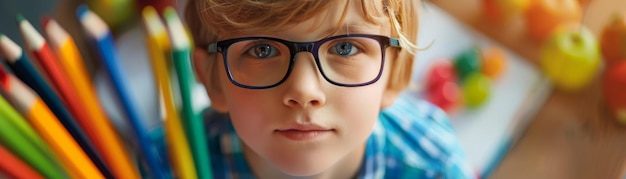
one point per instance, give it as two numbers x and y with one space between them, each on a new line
573 135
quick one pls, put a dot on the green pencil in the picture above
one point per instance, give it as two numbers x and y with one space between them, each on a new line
11 138
194 126
9 113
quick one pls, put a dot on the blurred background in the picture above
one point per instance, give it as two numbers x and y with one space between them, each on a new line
31 9
524 104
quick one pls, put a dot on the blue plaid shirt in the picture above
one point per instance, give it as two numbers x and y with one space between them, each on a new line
412 139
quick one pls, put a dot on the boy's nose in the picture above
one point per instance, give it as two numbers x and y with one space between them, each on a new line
304 84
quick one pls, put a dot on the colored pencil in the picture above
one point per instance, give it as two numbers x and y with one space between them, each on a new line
12 115
75 160
99 32
20 145
39 48
39 115
15 120
15 167
159 50
4 175
103 135
8 112
42 119
194 126
27 72
37 45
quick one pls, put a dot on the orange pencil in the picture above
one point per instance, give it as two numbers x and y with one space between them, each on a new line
45 123
48 126
14 167
105 138
22 139
36 44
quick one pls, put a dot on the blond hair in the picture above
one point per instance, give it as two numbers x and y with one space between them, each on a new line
209 19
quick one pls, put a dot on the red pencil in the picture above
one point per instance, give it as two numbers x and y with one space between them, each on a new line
37 45
14 167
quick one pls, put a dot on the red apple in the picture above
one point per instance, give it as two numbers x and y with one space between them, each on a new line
614 90
542 16
446 96
440 72
613 39
570 58
441 87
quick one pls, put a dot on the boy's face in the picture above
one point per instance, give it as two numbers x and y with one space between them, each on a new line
306 125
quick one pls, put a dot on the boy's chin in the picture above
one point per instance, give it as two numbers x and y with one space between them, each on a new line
305 166
303 171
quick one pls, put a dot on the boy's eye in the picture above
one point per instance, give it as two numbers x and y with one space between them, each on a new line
262 51
344 49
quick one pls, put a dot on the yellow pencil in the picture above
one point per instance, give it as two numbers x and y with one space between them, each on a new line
108 142
158 45
46 124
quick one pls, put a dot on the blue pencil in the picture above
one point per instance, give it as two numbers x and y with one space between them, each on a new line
26 71
99 32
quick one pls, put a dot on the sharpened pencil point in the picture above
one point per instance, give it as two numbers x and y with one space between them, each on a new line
19 18
45 20
169 12
81 11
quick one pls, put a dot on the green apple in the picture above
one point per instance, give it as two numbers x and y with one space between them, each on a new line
476 89
570 58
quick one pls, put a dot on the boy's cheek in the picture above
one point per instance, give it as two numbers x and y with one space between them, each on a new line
389 93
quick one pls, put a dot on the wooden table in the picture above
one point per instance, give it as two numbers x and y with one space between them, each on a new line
573 135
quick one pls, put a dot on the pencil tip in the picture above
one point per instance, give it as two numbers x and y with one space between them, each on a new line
45 20
20 18
81 10
169 12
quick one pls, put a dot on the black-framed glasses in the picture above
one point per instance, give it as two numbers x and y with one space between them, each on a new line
263 62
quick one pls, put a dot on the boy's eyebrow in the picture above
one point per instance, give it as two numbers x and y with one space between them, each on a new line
356 28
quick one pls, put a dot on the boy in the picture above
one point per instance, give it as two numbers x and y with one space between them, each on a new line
308 88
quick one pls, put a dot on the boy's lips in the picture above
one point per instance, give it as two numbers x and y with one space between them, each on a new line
304 127
304 132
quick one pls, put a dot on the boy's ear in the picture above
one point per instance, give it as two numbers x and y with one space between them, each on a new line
204 73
